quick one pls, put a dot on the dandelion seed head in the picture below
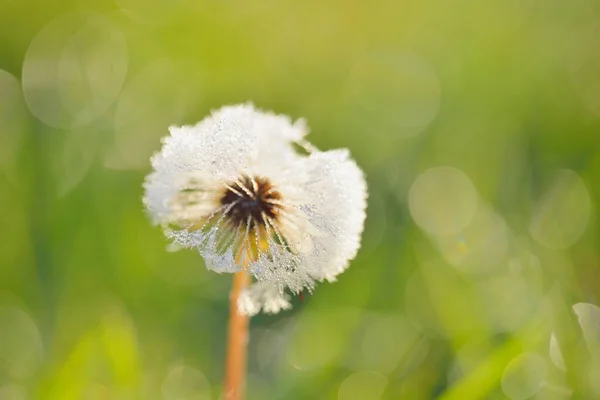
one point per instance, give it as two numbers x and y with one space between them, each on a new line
234 188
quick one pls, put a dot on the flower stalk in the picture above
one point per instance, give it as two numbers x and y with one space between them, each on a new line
237 341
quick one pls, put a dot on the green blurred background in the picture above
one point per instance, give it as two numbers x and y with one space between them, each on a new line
476 122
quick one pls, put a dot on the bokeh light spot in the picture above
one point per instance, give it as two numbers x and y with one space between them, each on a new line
74 69
443 200
480 247
563 213
513 297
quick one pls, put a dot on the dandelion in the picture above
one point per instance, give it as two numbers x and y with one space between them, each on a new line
235 188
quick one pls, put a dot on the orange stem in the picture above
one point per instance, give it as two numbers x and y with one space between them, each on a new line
237 342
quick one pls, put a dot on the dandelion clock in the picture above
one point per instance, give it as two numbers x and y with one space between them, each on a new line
234 188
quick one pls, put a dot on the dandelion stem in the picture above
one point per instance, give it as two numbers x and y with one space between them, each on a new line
237 342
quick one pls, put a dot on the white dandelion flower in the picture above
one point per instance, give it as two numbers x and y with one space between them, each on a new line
234 188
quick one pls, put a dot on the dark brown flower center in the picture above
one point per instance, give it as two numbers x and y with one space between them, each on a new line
250 199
